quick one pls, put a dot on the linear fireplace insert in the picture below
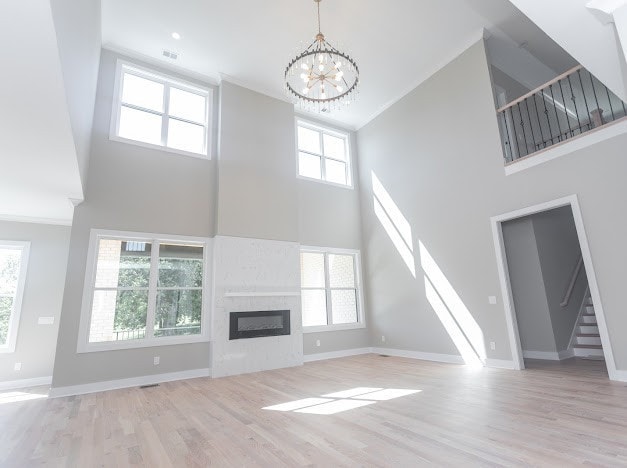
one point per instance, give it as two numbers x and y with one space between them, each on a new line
259 323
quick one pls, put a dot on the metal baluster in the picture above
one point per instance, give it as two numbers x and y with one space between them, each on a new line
572 95
511 114
557 117
533 136
546 114
507 141
565 111
585 100
596 99
609 99
522 125
535 104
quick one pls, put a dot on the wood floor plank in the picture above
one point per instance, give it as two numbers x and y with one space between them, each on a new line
552 414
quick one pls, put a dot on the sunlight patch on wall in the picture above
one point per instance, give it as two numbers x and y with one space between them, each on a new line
16 397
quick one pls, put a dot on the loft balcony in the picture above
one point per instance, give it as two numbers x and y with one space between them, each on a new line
567 107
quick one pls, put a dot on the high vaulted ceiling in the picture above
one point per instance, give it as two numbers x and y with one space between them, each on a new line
397 43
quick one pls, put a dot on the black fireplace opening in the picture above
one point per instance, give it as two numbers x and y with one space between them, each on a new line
259 323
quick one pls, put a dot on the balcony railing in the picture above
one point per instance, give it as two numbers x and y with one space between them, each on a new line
565 107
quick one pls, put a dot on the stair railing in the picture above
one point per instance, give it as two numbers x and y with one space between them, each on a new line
569 105
573 280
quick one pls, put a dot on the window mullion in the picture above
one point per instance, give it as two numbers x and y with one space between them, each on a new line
166 115
327 289
152 290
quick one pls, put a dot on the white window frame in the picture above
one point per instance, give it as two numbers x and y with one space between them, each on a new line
14 320
329 131
169 82
84 346
361 316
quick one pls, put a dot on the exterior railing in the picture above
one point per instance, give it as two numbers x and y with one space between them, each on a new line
565 107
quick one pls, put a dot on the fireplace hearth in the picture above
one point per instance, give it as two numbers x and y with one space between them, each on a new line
258 324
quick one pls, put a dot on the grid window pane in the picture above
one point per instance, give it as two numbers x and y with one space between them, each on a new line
123 264
188 106
309 166
186 136
312 270
178 313
341 271
335 171
180 266
118 315
309 140
334 147
140 126
344 306
314 305
142 92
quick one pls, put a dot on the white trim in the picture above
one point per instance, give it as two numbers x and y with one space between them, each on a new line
83 344
35 220
107 385
336 354
124 66
361 312
14 319
569 146
501 364
447 358
501 260
25 383
262 294
544 355
582 308
620 375
335 132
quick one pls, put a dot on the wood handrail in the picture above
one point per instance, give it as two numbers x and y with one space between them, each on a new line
539 88
573 280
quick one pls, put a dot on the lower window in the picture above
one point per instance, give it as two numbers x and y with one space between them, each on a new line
143 291
13 263
330 294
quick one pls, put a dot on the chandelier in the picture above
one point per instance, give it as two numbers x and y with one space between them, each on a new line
321 78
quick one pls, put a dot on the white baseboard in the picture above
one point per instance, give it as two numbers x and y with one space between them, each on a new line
501 364
619 375
25 383
336 354
449 358
125 383
549 355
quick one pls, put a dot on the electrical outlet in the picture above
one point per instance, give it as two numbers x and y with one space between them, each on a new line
156 360
17 366
317 342
492 300
382 338
492 345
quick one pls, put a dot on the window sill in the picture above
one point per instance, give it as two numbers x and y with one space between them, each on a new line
325 182
143 343
330 328
166 149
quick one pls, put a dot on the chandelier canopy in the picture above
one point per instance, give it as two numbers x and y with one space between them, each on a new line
321 77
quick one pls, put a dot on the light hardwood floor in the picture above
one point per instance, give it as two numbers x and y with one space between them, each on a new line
552 414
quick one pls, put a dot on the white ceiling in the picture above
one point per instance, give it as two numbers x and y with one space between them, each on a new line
397 43
39 170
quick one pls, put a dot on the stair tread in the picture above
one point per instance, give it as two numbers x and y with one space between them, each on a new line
588 346
596 335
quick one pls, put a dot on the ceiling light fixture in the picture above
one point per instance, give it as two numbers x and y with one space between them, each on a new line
176 36
321 78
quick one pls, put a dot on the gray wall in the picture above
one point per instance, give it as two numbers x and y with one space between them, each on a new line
528 290
448 180
513 89
43 293
131 188
558 250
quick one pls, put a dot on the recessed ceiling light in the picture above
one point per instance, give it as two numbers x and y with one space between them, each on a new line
176 36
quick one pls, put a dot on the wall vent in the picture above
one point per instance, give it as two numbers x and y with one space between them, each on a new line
170 55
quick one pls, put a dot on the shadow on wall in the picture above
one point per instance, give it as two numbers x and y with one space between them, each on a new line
448 306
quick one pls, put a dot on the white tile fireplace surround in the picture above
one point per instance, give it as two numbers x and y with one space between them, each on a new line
255 275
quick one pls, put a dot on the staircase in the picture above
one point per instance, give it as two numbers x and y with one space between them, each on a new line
586 341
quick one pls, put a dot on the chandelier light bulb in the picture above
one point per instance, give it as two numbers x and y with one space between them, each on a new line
304 66
305 90
339 89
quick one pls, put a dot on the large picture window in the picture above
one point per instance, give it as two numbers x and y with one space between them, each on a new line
323 154
331 291
13 264
143 291
155 110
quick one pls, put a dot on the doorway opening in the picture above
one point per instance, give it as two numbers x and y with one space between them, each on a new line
552 303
